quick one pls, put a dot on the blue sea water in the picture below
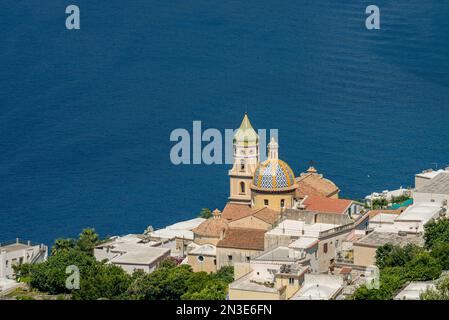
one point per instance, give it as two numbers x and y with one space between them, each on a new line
86 115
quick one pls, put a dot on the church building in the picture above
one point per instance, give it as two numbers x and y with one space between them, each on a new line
259 195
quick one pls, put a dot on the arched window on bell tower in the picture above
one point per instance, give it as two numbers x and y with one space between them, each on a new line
242 165
242 187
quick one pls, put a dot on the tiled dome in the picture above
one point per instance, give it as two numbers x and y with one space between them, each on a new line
272 175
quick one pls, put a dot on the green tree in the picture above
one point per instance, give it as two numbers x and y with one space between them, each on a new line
205 213
440 293
436 231
380 203
162 284
399 199
87 240
102 281
391 281
440 251
225 274
394 256
50 276
383 255
24 271
62 245
167 263
214 291
205 286
423 267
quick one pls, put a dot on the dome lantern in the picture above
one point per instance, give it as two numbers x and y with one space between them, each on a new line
273 149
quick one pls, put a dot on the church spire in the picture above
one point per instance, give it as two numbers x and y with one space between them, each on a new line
246 134
246 159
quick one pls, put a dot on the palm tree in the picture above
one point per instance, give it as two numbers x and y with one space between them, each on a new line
88 239
62 245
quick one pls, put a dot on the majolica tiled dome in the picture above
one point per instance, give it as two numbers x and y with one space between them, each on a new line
272 175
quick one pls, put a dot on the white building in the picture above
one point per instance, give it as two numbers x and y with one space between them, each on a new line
414 290
412 220
176 237
131 253
181 229
435 190
18 253
320 287
423 178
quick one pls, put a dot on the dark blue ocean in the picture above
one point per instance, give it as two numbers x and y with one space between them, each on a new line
86 115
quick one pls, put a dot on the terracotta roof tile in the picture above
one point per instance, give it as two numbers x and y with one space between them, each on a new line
243 238
212 227
268 215
233 211
329 205
312 183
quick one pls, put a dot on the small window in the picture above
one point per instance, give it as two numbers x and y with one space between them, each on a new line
200 258
248 259
242 165
230 258
291 281
282 203
7 263
242 187
265 202
325 248
215 261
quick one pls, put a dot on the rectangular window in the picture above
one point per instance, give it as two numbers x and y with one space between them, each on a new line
265 202
291 281
248 259
230 258
325 248
282 203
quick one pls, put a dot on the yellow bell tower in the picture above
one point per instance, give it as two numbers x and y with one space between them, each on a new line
246 159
